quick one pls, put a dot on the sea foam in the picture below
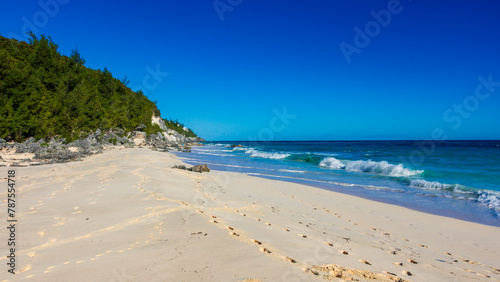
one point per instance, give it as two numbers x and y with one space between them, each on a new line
266 155
383 167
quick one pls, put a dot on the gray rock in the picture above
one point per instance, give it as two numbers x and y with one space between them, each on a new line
199 168
180 167
33 147
140 134
205 168
20 148
141 127
29 141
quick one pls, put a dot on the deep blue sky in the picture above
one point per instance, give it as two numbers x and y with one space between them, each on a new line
226 77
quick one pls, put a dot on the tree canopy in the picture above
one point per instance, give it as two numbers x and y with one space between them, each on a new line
44 94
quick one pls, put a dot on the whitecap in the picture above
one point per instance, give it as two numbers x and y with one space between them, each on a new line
370 166
266 155
332 162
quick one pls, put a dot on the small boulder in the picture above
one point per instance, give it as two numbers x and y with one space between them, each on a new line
205 168
199 168
196 168
180 167
141 127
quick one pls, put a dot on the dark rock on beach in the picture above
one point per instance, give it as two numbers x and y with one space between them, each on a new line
183 167
196 168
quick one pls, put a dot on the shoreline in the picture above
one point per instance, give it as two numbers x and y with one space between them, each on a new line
318 184
128 209
447 195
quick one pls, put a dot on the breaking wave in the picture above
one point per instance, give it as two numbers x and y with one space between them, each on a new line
369 166
266 155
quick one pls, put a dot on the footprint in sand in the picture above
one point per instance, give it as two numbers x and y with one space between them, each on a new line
311 271
256 242
258 219
398 263
390 273
424 246
230 228
290 259
302 235
26 268
329 244
267 223
470 261
343 252
265 250
32 254
234 234
365 262
214 221
406 272
412 261
287 230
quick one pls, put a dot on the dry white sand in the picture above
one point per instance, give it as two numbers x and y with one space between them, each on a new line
125 215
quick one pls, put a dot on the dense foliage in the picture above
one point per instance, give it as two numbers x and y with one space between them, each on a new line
179 127
44 94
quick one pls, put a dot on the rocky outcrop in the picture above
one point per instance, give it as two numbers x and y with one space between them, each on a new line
172 137
196 168
57 150
140 138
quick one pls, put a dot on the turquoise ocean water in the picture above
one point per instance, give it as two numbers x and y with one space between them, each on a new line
459 179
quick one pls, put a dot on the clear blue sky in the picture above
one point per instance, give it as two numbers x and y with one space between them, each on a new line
226 76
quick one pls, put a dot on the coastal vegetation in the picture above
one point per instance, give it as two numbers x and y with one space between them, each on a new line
44 94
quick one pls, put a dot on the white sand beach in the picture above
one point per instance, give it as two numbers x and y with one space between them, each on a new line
126 215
